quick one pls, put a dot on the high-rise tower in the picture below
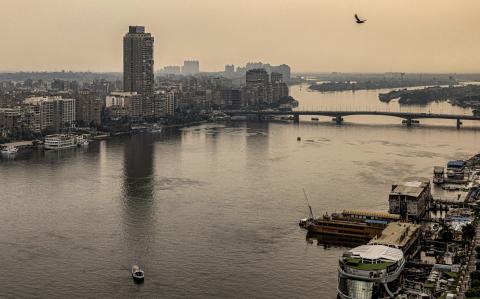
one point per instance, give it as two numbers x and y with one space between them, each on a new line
138 66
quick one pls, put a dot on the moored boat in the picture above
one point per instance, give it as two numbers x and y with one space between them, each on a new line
155 129
352 224
59 141
9 150
82 141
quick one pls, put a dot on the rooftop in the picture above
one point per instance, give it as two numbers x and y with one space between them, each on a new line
375 252
396 234
456 164
410 187
123 93
383 215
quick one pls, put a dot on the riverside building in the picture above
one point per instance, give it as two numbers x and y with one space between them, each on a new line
52 113
138 67
370 271
410 198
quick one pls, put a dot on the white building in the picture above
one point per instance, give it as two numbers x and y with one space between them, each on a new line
130 101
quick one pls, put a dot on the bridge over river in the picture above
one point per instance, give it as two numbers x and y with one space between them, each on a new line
339 115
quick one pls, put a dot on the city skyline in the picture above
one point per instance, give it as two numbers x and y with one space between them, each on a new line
431 36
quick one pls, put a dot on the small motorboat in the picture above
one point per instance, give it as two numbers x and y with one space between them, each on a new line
155 129
9 150
137 274
82 141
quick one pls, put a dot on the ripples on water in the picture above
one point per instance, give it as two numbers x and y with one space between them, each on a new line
207 211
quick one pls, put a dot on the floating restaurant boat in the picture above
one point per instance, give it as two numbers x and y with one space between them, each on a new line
60 141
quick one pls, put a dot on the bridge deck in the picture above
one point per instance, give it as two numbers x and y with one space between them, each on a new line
405 115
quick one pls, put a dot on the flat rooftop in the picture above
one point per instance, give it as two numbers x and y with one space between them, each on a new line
410 187
376 252
396 234
382 215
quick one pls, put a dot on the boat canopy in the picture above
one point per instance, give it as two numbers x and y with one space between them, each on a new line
456 164
378 215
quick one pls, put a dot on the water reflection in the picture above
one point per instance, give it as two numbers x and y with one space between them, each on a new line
138 196
138 172
327 241
257 142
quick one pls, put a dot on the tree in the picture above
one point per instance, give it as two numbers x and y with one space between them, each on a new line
468 232
446 233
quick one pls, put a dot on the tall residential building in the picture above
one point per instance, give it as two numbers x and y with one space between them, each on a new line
257 77
88 108
138 66
284 70
257 87
171 70
171 103
191 67
53 113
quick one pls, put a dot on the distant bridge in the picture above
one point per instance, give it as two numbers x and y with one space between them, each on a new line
338 115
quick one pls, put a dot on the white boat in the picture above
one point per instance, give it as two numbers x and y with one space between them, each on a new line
82 141
155 129
60 141
9 150
137 274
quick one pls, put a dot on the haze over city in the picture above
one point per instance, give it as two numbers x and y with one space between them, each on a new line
309 35
240 149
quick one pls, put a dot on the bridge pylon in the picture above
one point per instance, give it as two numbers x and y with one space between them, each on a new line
296 118
338 119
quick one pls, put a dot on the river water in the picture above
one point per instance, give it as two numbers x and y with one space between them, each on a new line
210 210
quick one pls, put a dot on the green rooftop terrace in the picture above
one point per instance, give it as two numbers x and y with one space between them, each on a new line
356 263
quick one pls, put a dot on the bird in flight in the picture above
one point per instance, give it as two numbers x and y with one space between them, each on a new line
358 20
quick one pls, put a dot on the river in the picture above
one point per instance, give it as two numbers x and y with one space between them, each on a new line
210 210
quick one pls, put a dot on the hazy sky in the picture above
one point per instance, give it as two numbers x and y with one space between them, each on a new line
309 35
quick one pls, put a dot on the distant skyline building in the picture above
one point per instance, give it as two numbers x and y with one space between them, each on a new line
257 86
171 70
284 70
191 67
229 71
138 66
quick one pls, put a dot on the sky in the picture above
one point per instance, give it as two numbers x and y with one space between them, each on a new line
309 35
